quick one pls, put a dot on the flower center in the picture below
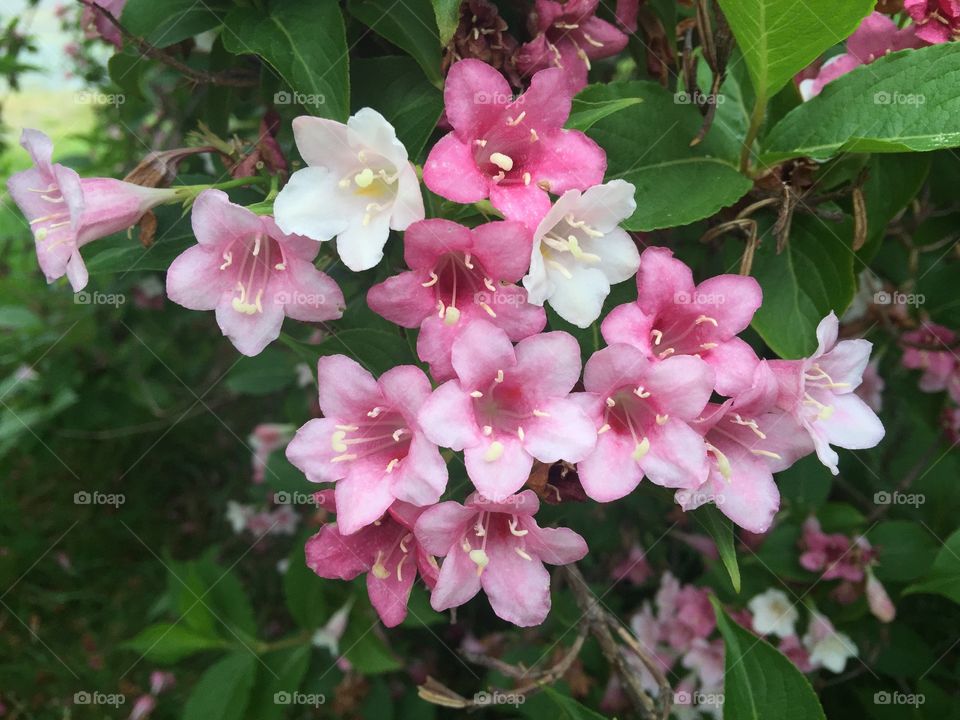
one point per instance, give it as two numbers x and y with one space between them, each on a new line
459 278
685 334
373 182
505 529
564 244
501 409
259 257
383 435
632 411
58 216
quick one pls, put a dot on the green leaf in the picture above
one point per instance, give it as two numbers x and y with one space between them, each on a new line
648 144
906 550
448 18
778 38
170 21
305 42
366 651
896 104
167 644
892 182
393 87
586 113
410 25
569 708
376 350
288 666
223 691
812 276
759 682
721 530
263 374
944 577
303 591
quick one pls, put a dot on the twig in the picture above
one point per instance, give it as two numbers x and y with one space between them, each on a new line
151 51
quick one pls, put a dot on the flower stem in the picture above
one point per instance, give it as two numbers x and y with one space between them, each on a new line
756 120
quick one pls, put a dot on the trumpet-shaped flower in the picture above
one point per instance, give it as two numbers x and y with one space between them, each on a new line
496 544
512 150
568 35
509 405
387 551
819 391
672 316
369 441
773 613
642 412
358 186
579 251
66 211
457 276
250 273
747 439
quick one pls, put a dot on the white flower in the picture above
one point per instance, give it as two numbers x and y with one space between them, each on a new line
773 613
828 648
579 252
358 186
238 515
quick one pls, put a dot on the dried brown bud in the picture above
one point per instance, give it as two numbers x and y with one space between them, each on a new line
482 34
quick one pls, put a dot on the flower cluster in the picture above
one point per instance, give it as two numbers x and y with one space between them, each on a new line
931 348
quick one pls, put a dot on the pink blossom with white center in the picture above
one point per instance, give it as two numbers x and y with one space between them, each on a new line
250 273
510 150
369 441
497 546
819 392
568 35
935 21
877 36
672 316
66 211
358 185
457 276
387 551
509 406
931 348
265 438
642 413
747 439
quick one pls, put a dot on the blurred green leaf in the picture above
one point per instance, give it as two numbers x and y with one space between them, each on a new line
167 644
944 577
720 529
410 25
223 691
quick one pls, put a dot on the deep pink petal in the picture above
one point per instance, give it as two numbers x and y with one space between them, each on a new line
569 160
523 203
194 279
662 280
451 171
402 299
363 496
474 96
677 457
330 555
390 595
731 300
427 241
628 324
503 248
458 581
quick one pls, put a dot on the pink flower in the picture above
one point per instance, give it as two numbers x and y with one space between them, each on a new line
819 392
929 348
510 150
94 23
747 439
828 648
459 275
642 412
690 618
935 21
369 441
568 35
672 316
250 273
871 389
508 406
66 211
878 600
161 681
876 36
497 546
706 659
796 653
386 551
634 568
143 707
834 554
265 438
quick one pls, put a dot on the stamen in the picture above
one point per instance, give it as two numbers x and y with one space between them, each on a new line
642 448
563 270
533 135
375 412
344 458
434 279
657 336
228 260
280 266
526 178
592 41
337 441
499 377
709 345
488 309
488 430
603 429
494 452
379 569
512 122
752 424
662 419
451 316
540 413
767 453
504 162
348 428
705 318
398 433
514 523
520 432
611 402
466 261
256 245
723 463
488 283
399 565
665 353
481 560
522 554
391 465
480 143
641 393
476 394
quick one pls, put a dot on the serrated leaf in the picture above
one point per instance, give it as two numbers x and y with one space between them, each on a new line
165 23
759 682
223 691
812 276
779 38
586 113
166 644
287 666
305 42
448 18
905 101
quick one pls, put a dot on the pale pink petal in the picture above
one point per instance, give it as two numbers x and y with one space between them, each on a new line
216 221
683 385
440 527
447 417
250 334
610 472
613 367
731 300
323 142
347 390
628 324
458 581
548 363
853 425
845 364
518 588
677 456
502 476
362 497
480 351
309 294
408 204
311 452
566 433
733 363
662 280
557 546
421 477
